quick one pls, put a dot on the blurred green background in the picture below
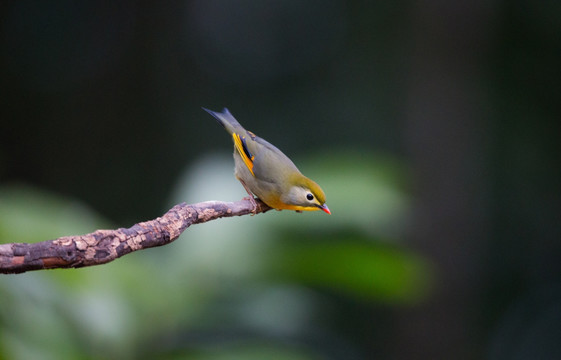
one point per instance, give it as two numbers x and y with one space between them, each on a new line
432 126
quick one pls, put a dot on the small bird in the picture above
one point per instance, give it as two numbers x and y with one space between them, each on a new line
264 171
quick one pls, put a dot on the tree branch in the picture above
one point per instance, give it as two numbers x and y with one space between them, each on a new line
103 246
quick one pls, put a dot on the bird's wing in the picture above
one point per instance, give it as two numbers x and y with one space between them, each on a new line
241 145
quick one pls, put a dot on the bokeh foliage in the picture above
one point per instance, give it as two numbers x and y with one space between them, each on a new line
241 286
432 126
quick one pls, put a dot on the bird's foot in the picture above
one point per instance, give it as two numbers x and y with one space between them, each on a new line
252 201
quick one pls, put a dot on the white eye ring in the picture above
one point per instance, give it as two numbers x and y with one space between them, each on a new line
310 197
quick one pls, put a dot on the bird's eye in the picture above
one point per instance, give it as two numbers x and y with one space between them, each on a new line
310 197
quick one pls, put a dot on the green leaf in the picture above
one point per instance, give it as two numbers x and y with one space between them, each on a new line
358 269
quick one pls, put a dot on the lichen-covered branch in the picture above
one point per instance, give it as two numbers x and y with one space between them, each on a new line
103 246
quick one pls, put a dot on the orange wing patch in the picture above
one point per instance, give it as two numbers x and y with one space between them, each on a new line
241 147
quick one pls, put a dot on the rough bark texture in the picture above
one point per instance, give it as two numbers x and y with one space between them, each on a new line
103 246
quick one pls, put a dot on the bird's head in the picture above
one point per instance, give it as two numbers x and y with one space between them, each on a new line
305 194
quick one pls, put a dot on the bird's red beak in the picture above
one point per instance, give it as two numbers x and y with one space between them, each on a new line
326 209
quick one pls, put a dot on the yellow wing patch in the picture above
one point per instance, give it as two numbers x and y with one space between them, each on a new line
239 143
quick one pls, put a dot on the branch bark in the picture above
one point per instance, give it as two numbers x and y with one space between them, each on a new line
103 246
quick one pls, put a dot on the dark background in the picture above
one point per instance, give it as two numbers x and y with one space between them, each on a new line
101 106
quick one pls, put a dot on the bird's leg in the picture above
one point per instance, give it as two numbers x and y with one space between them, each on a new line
250 198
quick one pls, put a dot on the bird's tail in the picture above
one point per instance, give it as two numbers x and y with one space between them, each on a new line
226 119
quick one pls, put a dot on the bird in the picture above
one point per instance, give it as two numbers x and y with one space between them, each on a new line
266 172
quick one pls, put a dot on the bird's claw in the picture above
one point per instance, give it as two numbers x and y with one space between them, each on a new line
252 201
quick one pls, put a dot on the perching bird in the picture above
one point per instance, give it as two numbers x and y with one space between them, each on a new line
267 173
